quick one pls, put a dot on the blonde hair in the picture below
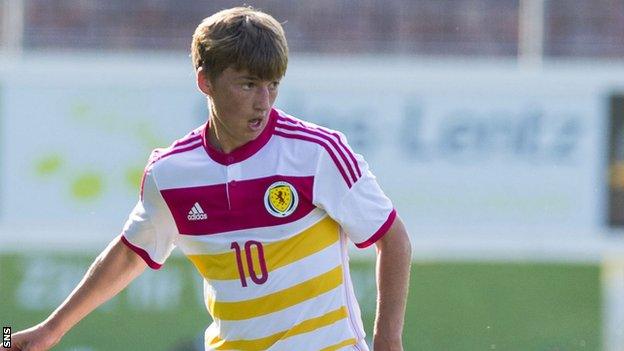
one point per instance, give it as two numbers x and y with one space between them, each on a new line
241 38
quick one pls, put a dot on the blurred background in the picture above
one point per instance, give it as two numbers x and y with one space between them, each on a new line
496 126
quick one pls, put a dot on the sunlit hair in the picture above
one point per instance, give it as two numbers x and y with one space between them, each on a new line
242 38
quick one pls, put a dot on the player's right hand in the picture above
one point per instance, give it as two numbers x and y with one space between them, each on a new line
37 338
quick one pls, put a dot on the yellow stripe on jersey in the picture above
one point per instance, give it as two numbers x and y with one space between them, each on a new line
266 342
339 345
278 300
278 254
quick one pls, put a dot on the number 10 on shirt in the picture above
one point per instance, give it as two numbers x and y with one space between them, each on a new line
249 259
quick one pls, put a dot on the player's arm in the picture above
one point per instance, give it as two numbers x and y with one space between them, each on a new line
110 273
394 256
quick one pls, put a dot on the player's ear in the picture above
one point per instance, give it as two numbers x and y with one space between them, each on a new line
203 83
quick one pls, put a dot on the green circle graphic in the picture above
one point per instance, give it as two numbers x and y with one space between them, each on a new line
49 165
87 186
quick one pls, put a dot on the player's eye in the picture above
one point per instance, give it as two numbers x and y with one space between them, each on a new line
248 85
274 85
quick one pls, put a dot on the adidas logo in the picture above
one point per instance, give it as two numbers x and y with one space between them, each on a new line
196 213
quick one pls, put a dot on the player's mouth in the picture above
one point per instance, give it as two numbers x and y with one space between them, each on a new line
255 124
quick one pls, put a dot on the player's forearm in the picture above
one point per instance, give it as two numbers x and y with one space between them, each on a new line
393 271
111 271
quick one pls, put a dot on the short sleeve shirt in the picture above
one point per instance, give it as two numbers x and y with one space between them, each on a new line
267 226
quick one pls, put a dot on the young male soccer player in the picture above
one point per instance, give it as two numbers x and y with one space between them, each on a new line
263 204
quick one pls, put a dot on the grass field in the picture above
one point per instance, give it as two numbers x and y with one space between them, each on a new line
452 306
523 307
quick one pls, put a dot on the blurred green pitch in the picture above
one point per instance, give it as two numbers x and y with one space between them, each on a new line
452 306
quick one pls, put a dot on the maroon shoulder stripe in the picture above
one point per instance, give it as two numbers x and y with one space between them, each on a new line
348 151
325 137
189 139
172 151
328 132
324 145
180 150
176 151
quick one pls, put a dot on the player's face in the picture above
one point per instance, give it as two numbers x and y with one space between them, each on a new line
240 105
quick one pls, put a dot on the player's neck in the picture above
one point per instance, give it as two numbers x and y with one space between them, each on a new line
219 138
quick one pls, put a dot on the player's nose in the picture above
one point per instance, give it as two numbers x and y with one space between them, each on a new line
263 99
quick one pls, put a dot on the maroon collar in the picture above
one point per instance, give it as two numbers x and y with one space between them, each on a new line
243 152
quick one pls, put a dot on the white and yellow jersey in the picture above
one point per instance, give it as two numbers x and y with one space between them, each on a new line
267 226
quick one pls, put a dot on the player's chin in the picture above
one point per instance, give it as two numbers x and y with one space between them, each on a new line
248 134
254 135
254 130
